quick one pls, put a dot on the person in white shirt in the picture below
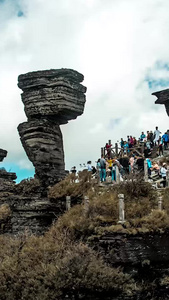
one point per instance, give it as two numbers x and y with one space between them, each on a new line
156 135
89 165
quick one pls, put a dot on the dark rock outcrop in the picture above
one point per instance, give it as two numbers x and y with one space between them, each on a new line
163 98
9 176
3 153
51 98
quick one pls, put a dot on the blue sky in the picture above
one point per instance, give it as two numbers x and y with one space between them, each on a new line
121 47
10 9
158 76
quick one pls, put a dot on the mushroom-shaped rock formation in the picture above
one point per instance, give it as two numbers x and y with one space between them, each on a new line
163 98
51 98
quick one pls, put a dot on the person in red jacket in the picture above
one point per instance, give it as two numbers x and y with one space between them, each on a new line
108 149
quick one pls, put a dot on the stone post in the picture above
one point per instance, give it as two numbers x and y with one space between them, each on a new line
160 202
121 208
86 204
68 202
145 170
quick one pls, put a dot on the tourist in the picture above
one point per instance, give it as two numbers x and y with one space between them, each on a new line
155 167
156 135
114 170
107 168
140 164
148 144
131 163
142 136
168 135
110 162
148 135
98 169
147 152
73 171
149 166
89 166
122 143
93 170
126 147
124 161
108 149
151 138
134 141
160 146
131 142
102 169
163 172
165 139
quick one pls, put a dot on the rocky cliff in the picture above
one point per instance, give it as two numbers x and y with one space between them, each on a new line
51 98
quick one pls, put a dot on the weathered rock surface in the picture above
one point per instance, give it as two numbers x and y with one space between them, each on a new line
50 98
56 94
10 176
135 250
163 98
42 141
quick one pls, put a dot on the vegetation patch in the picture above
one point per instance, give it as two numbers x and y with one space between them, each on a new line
28 187
75 186
5 212
54 267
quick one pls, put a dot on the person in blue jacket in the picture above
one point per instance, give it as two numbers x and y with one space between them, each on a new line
165 140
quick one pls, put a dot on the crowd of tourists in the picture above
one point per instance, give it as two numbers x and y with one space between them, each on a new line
130 159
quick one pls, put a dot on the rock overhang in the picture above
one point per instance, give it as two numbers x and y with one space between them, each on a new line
162 98
57 94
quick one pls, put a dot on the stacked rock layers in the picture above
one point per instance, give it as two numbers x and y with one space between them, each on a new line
50 98
163 98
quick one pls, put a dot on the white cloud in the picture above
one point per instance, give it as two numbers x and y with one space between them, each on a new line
115 44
